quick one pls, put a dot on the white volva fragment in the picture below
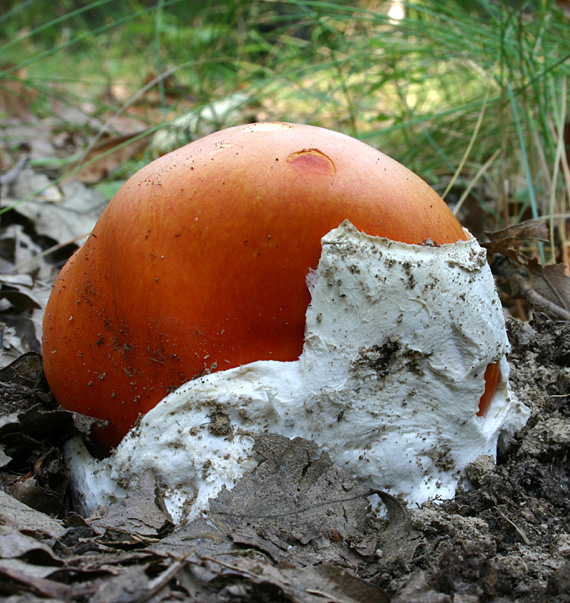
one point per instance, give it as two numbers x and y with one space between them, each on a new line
397 341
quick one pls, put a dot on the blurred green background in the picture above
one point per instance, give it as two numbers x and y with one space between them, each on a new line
471 95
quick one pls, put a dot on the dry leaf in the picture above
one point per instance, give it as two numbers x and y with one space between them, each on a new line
18 308
104 158
172 90
14 96
546 289
21 517
199 122
508 241
68 212
551 283
19 580
129 587
338 584
139 517
297 506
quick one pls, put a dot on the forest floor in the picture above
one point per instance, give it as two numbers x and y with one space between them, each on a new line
506 538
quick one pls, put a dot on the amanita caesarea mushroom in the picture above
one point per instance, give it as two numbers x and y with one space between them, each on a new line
288 279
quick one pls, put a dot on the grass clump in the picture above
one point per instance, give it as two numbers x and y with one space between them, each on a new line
470 95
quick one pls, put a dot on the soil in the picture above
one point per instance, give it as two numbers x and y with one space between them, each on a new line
298 529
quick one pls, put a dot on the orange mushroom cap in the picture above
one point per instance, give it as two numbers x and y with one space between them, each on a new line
199 262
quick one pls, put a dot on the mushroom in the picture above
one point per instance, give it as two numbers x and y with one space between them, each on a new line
286 278
199 262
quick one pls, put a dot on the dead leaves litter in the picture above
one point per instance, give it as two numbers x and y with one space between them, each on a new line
544 288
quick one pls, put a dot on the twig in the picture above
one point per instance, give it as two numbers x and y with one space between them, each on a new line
520 288
535 299
157 584
519 531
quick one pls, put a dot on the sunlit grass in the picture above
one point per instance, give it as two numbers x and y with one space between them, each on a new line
472 93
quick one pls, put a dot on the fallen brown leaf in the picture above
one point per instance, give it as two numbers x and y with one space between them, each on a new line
545 288
336 584
105 157
19 516
297 505
508 241
551 283
140 518
14 95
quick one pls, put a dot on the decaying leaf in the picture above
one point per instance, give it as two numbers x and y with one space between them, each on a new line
400 540
297 506
141 517
62 213
23 387
32 427
20 517
508 241
417 590
545 288
552 284
336 584
105 157
15 95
